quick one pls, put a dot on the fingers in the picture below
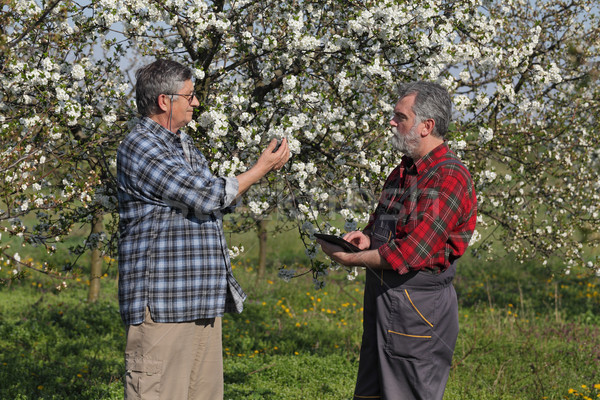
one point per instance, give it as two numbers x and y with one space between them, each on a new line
353 236
283 152
359 239
274 157
274 145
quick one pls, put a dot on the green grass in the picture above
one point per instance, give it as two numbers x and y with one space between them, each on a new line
57 346
524 335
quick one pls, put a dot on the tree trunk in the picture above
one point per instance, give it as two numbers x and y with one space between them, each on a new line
262 248
96 267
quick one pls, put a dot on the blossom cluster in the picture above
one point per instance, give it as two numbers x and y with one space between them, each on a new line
522 75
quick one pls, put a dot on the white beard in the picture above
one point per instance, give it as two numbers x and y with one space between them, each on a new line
407 144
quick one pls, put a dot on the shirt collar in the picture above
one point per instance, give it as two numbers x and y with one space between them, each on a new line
157 129
424 163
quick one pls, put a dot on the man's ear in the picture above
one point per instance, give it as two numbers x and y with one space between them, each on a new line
427 128
164 102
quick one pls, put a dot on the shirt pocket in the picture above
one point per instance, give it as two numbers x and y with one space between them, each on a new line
409 334
384 230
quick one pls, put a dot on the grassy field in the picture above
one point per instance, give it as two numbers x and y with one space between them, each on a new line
524 335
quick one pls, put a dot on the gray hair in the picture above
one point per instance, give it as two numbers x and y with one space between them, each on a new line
432 102
159 77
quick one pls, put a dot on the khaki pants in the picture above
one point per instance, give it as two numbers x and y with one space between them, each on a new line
174 361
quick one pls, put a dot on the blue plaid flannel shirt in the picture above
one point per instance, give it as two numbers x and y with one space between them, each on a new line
173 256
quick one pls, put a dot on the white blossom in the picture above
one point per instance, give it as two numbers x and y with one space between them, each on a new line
485 135
77 72
235 251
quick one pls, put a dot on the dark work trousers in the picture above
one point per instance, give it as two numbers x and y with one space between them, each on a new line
410 326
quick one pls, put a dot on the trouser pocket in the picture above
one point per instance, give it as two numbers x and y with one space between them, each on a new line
142 378
410 325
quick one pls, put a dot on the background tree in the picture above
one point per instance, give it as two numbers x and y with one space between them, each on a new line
61 96
324 75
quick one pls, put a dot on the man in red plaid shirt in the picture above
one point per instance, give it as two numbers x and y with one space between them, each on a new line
421 226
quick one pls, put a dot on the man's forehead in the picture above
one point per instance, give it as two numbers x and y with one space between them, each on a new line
405 103
189 85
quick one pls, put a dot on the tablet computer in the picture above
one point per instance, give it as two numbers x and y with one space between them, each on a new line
339 241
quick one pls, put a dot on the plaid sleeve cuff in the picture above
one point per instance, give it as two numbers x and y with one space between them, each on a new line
391 253
231 190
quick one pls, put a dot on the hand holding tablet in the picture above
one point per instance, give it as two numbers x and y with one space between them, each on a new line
338 241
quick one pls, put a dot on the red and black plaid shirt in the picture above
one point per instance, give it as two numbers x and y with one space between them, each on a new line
435 221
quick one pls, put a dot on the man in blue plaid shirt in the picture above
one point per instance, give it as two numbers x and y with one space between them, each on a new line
175 278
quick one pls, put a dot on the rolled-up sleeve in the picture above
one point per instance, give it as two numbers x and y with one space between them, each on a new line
165 177
232 186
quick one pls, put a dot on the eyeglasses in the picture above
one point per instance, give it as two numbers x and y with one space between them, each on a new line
189 97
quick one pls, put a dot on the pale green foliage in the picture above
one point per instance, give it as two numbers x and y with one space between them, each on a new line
523 75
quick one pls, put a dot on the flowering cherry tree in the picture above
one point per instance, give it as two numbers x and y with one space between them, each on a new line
60 101
523 75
